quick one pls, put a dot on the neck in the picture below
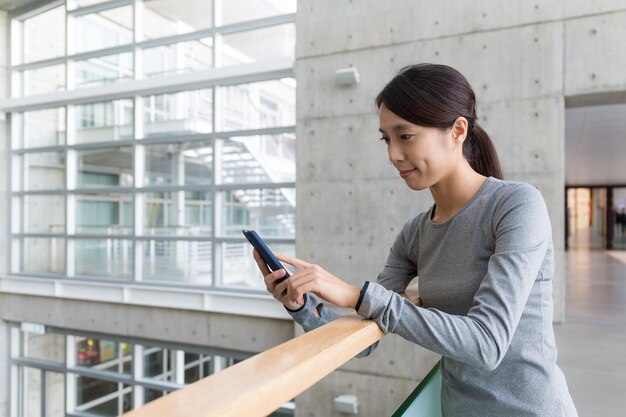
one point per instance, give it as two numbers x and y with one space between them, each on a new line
454 191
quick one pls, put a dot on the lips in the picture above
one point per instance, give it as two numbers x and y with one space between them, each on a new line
406 173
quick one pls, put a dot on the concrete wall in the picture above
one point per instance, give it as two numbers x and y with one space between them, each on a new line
525 60
222 332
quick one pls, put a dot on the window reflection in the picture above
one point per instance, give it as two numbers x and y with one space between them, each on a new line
178 58
104 121
165 17
106 167
104 29
259 105
104 70
186 112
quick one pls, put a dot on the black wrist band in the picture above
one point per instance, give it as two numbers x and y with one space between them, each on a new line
299 308
358 303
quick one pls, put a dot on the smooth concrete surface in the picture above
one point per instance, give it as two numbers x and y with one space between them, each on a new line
220 332
389 393
524 60
591 341
351 201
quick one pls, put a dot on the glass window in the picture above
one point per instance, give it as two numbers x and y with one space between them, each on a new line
153 394
112 258
44 80
104 29
91 391
104 70
186 112
104 121
197 367
44 213
47 347
178 58
189 163
259 105
110 213
44 127
101 372
163 157
259 45
104 355
254 159
239 268
43 170
44 35
166 17
270 212
240 10
183 262
107 167
159 363
43 255
179 213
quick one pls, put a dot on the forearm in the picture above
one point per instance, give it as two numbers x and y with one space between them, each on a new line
314 314
458 337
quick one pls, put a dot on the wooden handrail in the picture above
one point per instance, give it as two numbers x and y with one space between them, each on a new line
259 385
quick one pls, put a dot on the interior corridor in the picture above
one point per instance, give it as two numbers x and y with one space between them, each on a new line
591 341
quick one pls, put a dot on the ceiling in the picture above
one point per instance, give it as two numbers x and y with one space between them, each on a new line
595 145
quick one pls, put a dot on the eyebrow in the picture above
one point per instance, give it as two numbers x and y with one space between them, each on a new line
397 127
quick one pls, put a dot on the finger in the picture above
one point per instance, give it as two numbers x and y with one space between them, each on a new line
280 290
297 289
270 280
261 263
298 263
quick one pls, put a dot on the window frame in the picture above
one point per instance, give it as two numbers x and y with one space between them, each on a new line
133 89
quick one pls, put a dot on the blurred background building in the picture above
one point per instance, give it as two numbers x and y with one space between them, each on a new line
140 137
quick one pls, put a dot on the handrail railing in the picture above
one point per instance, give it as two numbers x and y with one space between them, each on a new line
259 385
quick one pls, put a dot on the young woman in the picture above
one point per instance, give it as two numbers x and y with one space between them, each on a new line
482 253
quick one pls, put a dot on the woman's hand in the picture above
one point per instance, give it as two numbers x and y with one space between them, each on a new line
278 291
313 278
309 278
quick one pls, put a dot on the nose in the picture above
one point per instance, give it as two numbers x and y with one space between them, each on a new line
395 152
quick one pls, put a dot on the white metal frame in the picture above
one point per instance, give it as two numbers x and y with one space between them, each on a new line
17 361
213 298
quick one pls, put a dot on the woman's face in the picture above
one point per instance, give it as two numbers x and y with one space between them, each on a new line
422 155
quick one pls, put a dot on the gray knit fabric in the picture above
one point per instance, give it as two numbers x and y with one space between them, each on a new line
485 280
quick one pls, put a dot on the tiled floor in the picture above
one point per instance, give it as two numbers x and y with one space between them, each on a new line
592 340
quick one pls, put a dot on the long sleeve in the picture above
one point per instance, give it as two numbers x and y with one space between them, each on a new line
401 265
482 337
398 272
305 317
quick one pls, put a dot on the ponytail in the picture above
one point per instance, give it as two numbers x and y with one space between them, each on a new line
480 152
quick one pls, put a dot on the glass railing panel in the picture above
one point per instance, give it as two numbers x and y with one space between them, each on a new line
425 400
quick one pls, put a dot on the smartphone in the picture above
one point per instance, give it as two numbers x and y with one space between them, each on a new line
272 262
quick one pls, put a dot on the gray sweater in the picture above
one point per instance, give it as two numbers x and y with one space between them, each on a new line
485 280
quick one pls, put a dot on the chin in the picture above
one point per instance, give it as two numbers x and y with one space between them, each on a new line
417 185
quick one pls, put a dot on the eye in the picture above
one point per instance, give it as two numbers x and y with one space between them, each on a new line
385 139
406 137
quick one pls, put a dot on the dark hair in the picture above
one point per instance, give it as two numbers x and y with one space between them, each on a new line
434 95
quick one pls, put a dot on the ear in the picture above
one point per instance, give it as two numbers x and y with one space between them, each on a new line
460 130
